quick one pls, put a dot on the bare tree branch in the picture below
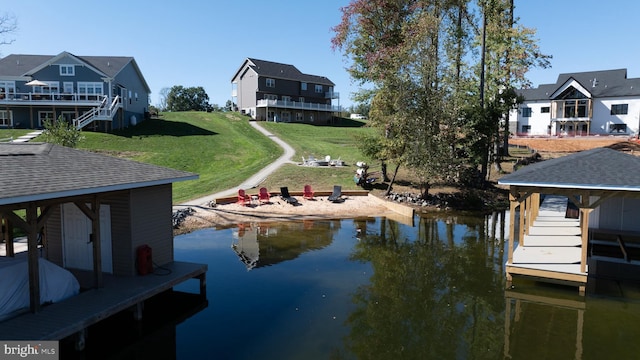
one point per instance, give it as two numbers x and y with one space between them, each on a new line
8 26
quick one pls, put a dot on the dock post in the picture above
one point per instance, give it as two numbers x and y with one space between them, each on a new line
203 283
80 339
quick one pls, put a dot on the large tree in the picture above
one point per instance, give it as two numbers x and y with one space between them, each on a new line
186 99
164 96
398 47
508 51
422 59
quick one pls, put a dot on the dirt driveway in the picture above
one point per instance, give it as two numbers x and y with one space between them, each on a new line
573 144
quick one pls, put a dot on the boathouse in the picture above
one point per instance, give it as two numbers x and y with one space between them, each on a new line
573 213
88 214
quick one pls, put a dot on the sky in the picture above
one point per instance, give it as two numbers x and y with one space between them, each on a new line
203 43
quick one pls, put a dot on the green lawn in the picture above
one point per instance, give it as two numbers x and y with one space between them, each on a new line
225 150
318 141
12 133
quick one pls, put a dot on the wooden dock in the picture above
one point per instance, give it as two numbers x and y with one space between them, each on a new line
72 316
551 249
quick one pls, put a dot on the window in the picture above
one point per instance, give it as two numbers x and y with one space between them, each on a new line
67 87
618 128
575 108
319 89
89 90
299 117
68 116
526 112
303 86
286 98
526 128
53 87
301 99
271 83
620 109
45 115
7 89
545 109
5 118
67 70
271 97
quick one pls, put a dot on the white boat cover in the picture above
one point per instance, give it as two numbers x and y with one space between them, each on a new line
56 283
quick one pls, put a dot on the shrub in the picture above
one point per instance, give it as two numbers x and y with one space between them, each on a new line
61 132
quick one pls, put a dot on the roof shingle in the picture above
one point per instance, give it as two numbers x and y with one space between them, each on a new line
38 171
599 168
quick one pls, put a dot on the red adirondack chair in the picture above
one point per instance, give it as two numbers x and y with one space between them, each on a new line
264 195
308 192
243 198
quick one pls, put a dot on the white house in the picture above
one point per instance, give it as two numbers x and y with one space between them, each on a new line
585 103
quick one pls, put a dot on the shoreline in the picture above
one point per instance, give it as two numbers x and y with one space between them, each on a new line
229 214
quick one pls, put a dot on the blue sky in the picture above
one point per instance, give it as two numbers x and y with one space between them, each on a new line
202 43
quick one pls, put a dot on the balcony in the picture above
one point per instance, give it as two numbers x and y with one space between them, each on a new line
572 110
50 99
297 105
332 95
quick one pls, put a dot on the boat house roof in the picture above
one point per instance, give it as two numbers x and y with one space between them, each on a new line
596 169
41 171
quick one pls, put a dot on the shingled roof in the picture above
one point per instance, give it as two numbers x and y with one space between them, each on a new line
599 169
40 171
19 65
604 83
283 71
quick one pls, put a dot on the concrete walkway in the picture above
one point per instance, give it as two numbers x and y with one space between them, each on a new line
29 136
255 180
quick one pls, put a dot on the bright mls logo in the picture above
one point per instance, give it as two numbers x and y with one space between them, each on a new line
29 350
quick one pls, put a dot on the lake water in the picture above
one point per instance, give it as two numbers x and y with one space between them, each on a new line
369 289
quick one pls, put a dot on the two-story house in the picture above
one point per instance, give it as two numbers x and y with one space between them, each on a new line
272 91
97 92
585 103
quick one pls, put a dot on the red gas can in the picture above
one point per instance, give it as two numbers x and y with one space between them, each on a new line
144 260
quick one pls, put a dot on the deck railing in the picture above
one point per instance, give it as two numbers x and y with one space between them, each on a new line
39 98
103 112
297 105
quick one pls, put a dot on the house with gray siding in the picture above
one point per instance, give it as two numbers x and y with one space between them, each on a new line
100 93
271 91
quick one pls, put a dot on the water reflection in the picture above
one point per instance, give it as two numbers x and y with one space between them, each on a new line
375 288
266 244
152 338
434 295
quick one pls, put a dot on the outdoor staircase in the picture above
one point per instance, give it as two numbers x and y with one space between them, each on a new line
105 111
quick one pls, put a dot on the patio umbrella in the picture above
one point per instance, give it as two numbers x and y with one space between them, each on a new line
36 83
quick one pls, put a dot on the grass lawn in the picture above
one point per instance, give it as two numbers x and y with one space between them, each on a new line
337 141
6 134
225 150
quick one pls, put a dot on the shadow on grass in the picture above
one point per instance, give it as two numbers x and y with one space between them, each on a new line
340 122
161 127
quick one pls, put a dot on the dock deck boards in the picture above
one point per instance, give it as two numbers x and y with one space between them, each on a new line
554 230
547 255
552 240
60 320
552 249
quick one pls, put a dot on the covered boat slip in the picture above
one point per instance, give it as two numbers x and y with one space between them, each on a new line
566 208
551 247
60 320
